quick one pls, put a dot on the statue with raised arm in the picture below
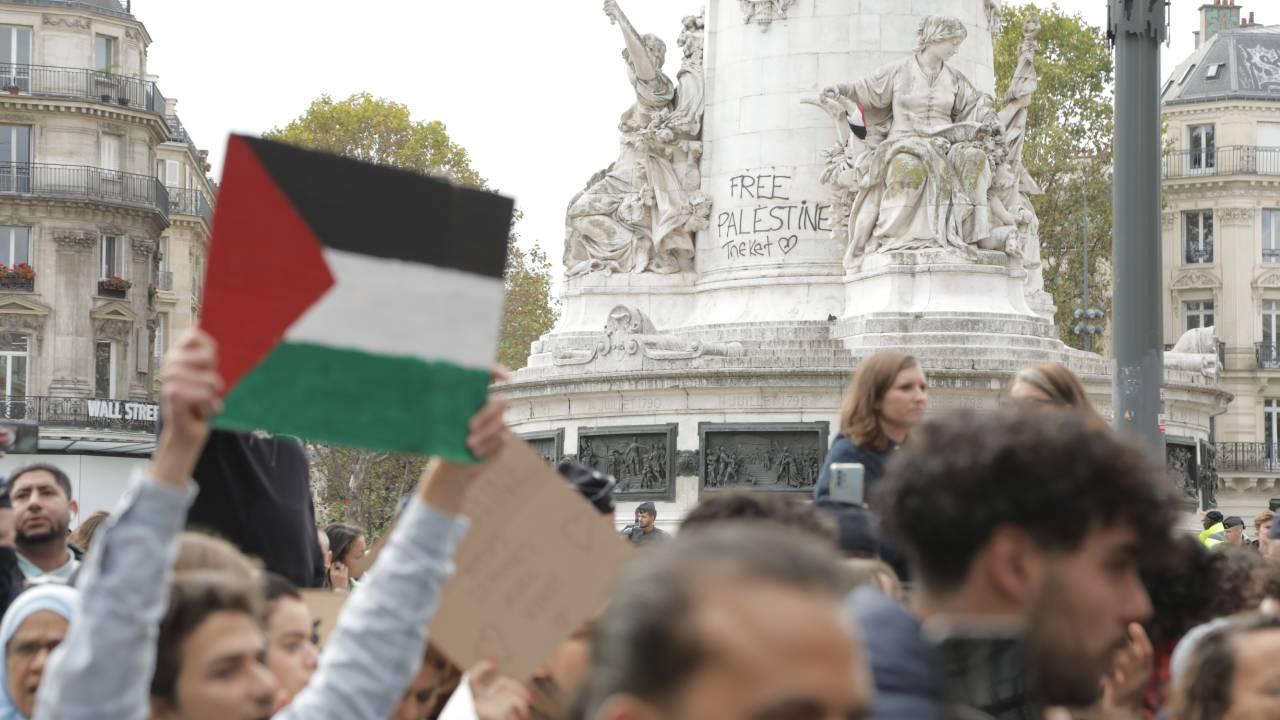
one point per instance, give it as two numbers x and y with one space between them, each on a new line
640 214
922 178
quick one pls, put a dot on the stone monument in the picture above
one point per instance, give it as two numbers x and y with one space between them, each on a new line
822 180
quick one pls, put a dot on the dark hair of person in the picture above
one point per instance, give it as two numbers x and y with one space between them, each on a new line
279 586
1203 691
1232 580
1062 386
1057 476
860 411
83 536
1211 518
341 537
59 476
1266 580
646 644
733 505
193 598
1181 588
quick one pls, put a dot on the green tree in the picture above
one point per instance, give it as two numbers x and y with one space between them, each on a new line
1070 126
361 486
530 309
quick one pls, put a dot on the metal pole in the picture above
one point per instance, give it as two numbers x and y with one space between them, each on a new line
1084 248
1137 27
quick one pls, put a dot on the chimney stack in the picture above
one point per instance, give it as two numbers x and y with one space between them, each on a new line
1221 15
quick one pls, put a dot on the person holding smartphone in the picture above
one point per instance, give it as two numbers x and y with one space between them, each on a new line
888 397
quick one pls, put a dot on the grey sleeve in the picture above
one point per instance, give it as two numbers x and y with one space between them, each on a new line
103 668
381 635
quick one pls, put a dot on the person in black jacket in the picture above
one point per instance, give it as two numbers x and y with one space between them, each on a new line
255 491
888 397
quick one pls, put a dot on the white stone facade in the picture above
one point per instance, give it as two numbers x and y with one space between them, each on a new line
1220 235
97 180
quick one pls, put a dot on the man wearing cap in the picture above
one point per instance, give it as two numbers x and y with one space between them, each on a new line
1232 533
644 532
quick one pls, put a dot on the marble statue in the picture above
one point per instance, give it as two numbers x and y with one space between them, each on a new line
640 214
1196 351
940 166
1013 186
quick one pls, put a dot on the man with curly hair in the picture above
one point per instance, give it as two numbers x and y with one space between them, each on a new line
1036 521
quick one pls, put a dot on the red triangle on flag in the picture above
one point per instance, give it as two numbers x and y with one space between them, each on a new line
266 267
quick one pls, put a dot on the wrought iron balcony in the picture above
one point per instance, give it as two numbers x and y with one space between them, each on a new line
85 183
82 413
81 84
190 201
1226 160
1248 457
76 5
1268 355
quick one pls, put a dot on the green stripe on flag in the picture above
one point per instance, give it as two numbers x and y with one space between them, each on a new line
356 399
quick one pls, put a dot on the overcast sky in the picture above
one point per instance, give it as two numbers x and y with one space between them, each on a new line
533 90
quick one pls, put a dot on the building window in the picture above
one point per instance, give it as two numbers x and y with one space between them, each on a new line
110 256
1199 313
15 56
104 370
13 364
1271 426
1197 236
15 245
104 53
15 158
1270 323
1270 236
162 332
1203 151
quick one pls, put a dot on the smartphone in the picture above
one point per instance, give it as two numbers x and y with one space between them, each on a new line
984 667
26 437
847 483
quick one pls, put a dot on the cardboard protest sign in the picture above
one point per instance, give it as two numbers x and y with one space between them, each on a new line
537 563
325 606
353 303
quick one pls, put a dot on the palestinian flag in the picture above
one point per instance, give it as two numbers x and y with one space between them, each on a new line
352 303
858 122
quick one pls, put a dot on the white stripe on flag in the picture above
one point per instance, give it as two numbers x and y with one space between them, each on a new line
406 309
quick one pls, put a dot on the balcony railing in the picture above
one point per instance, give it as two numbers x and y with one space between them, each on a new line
82 84
178 133
1248 457
75 5
82 182
1268 355
1226 160
189 201
164 280
81 413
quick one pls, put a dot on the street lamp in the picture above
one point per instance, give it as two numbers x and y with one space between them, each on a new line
1084 314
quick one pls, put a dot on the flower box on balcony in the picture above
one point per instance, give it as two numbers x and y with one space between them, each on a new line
115 286
18 277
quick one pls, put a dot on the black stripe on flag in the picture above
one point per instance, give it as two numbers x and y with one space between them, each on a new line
386 212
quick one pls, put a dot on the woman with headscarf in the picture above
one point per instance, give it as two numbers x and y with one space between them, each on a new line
33 627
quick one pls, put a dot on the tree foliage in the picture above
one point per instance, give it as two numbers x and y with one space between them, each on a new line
1070 127
361 486
378 131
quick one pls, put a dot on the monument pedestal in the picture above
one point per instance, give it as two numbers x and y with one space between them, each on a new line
952 313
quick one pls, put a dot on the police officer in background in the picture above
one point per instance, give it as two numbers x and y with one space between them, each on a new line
644 532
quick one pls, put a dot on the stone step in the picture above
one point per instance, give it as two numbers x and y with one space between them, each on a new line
951 340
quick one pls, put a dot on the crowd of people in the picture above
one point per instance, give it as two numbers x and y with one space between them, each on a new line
1024 562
